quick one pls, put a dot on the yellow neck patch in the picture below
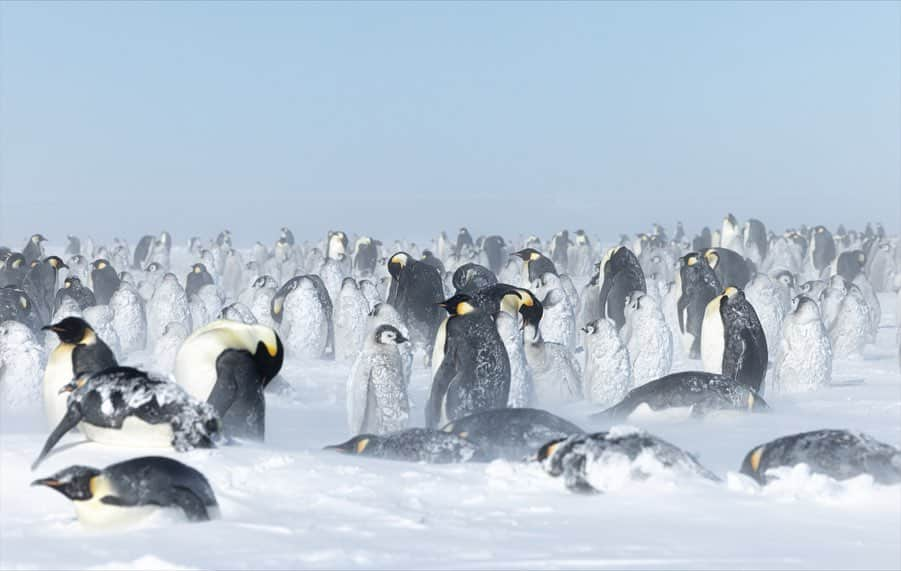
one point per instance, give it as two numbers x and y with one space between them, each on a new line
361 445
755 458
691 261
730 291
464 307
534 256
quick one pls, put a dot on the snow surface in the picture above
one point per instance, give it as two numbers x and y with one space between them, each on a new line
288 504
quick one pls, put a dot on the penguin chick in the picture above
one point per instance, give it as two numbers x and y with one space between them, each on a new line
557 375
127 492
196 279
522 385
129 319
647 337
848 331
351 313
21 362
763 296
166 348
123 406
168 303
839 454
411 445
608 370
804 359
377 400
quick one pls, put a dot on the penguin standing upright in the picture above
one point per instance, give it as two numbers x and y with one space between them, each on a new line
196 279
415 292
73 288
475 372
731 235
229 364
729 266
129 319
351 313
535 264
40 283
804 360
127 492
732 340
521 383
495 250
622 276
556 373
558 322
377 400
304 320
849 329
33 250
608 370
822 250
168 304
648 339
764 296
560 244
366 256
105 280
21 362
754 240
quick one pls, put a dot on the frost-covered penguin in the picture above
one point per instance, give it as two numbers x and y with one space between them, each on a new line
608 370
258 297
122 406
522 389
647 338
556 374
101 319
874 307
732 340
73 288
129 319
558 322
304 320
763 294
416 290
168 304
804 359
386 314
166 348
622 275
79 352
754 241
475 372
850 328
377 400
228 365
104 280
126 493
21 363
365 256
34 249
351 314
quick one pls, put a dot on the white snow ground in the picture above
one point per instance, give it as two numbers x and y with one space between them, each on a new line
287 504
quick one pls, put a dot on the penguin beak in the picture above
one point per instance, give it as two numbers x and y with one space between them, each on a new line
53 328
401 339
49 482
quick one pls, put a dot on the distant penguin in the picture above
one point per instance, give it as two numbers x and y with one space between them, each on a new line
303 318
416 291
511 433
377 400
731 234
702 241
754 240
21 363
535 264
729 266
123 406
495 249
850 264
168 304
73 288
429 258
228 365
475 372
104 281
213 300
73 247
732 340
698 285
464 240
79 352
365 256
237 312
33 250
197 278
258 297
559 249
784 284
143 252
127 492
849 329
332 274
608 370
822 249
698 391
647 338
556 374
763 295
580 255
336 245
622 275
16 305
874 307
582 458
351 314
804 359
839 454
411 445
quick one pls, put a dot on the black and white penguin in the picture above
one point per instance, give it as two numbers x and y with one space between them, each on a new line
127 492
365 256
474 374
495 249
511 433
415 291
34 250
622 276
702 241
105 280
701 392
730 267
698 285
839 454
850 264
464 241
535 264
822 249
143 252
16 305
13 269
377 400
196 279
582 459
559 249
73 288
228 365
732 339
754 240
80 352
122 406
411 445
40 283
470 278
730 234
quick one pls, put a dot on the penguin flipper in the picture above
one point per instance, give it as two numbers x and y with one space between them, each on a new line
443 377
188 501
68 422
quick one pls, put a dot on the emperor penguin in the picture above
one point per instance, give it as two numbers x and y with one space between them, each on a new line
197 278
143 252
332 274
40 283
522 387
304 320
557 375
784 283
559 249
79 352
850 264
608 370
804 360
839 454
122 406
732 340
129 319
377 400
754 241
495 249
872 301
763 295
21 363
73 288
259 299
351 314
730 267
365 256
228 365
471 277
622 276
12 270
34 249
370 292
822 250
849 330
580 255
74 246
168 304
386 314
104 280
127 492
429 258
702 241
475 372
416 291
464 240
535 264
336 247
731 234
422 445
647 338
232 274
16 305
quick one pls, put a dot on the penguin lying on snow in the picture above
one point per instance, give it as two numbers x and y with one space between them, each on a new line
511 433
839 454
575 457
126 492
703 392
411 445
127 407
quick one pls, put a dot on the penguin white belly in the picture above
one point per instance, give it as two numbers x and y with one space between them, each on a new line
95 513
195 366
438 347
58 373
713 342
135 433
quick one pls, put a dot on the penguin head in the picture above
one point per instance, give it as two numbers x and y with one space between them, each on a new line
590 328
349 283
55 262
712 258
551 454
15 261
75 482
264 281
389 335
270 353
361 444
806 309
397 263
198 268
750 466
100 264
73 330
72 282
527 254
786 278
38 238
460 304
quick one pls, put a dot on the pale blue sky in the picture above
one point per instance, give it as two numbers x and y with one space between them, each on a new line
402 119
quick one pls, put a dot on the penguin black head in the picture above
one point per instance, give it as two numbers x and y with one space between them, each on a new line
153 267
460 304
590 328
38 238
198 268
786 278
359 444
388 334
15 260
100 264
55 262
349 282
73 330
527 254
269 358
397 263
546 452
529 307
74 482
